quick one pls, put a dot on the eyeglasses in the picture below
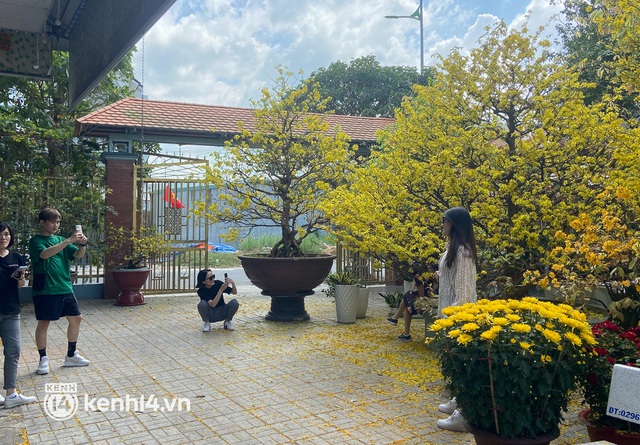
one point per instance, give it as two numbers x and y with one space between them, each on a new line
211 278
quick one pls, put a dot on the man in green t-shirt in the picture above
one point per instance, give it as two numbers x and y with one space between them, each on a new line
52 289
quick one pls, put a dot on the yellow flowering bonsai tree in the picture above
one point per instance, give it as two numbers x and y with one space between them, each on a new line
599 251
504 132
274 174
511 364
131 250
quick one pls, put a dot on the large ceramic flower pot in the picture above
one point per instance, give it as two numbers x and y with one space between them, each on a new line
130 281
287 281
486 438
597 433
346 302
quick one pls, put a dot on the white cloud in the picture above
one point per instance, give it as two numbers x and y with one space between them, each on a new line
223 52
540 13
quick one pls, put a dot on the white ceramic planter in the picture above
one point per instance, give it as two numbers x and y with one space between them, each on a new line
346 303
363 302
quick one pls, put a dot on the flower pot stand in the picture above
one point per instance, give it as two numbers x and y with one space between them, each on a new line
287 307
130 281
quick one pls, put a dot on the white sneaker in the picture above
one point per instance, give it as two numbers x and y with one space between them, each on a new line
43 366
449 407
455 422
16 399
76 360
1 400
228 325
206 327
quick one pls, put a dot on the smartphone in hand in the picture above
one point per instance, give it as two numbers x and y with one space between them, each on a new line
78 228
19 270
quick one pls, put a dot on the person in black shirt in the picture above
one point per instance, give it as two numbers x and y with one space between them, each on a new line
212 307
407 308
11 278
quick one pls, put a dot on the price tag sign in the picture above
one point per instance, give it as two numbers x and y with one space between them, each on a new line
624 394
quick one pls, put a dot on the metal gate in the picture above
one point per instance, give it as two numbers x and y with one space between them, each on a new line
166 190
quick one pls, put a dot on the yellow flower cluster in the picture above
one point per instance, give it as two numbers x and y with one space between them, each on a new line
529 324
601 249
506 355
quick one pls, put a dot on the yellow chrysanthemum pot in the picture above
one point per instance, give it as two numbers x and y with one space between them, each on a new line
511 364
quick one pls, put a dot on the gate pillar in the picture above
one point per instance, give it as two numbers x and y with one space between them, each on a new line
120 180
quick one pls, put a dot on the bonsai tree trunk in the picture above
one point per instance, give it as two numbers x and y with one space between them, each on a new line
287 247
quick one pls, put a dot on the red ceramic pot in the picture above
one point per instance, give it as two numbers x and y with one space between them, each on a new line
130 281
609 434
486 438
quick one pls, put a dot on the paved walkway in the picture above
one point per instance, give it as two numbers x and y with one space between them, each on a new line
313 382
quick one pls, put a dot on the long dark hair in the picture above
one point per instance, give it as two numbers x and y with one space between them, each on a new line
461 234
4 225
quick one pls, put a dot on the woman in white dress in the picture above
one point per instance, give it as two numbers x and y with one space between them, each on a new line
457 284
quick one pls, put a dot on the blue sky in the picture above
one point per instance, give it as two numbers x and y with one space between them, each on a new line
222 52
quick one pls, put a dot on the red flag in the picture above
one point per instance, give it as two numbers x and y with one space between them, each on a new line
170 197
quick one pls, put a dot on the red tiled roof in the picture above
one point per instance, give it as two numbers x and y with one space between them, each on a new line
184 119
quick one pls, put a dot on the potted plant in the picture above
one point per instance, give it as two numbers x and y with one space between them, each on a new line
363 301
273 174
344 288
393 300
127 253
617 344
511 365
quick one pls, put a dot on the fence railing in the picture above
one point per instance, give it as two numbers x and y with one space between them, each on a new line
174 271
363 267
79 203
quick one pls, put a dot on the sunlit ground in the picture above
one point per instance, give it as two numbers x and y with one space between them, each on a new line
315 382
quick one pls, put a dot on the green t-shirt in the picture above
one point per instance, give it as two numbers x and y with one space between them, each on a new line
56 268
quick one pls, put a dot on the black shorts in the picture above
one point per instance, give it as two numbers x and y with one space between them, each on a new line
409 301
52 307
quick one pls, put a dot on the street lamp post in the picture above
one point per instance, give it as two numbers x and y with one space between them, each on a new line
417 15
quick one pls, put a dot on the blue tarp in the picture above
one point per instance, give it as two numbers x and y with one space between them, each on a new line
216 247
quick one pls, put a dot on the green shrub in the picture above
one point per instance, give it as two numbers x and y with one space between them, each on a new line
393 299
335 278
314 244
